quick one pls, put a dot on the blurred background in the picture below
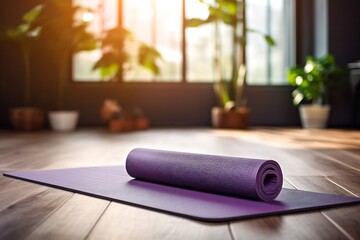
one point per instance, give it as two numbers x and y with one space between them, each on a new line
141 54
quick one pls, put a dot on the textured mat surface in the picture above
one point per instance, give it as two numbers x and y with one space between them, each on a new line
114 183
236 176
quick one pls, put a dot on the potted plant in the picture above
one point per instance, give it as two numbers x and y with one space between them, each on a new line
312 82
65 34
121 52
24 35
232 112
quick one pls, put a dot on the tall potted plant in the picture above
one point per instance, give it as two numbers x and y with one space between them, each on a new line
312 83
232 112
25 35
120 53
65 34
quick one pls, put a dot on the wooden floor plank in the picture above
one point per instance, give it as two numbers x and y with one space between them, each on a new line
315 160
288 226
73 220
350 183
20 218
317 138
294 159
341 156
325 166
121 221
343 217
12 190
347 219
291 226
317 184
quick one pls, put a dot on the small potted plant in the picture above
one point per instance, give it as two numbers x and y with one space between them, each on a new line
65 34
312 83
25 34
232 112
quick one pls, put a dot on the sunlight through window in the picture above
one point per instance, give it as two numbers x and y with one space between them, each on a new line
159 23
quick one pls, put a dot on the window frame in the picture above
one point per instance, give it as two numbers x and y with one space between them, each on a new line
290 57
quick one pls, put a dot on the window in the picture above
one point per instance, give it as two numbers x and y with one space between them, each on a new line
159 23
267 65
106 18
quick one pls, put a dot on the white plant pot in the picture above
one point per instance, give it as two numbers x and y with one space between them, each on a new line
314 116
63 121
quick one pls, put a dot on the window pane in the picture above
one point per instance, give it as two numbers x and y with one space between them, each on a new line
157 23
267 65
200 46
105 17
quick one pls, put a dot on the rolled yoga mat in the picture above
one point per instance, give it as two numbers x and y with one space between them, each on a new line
113 183
241 177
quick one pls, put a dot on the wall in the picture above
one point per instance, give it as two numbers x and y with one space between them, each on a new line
344 44
178 104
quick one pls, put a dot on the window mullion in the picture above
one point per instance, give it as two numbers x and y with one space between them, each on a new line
121 24
183 43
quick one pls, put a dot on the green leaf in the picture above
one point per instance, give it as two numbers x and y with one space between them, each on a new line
222 93
31 15
297 97
269 40
81 40
148 57
13 34
106 60
229 7
195 22
293 73
109 71
23 28
115 37
240 83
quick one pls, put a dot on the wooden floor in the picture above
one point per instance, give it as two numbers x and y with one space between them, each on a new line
316 160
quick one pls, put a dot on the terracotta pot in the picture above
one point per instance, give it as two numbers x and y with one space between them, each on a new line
237 118
26 118
141 123
121 125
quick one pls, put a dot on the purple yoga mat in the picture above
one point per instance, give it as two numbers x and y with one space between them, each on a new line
241 177
113 183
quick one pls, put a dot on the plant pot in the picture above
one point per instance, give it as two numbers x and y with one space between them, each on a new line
121 125
314 116
63 121
26 118
237 118
141 123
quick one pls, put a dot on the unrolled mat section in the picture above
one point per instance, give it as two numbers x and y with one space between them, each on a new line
197 186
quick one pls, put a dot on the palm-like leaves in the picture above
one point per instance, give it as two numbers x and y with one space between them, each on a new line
25 34
64 34
221 10
117 58
147 57
62 31
231 13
